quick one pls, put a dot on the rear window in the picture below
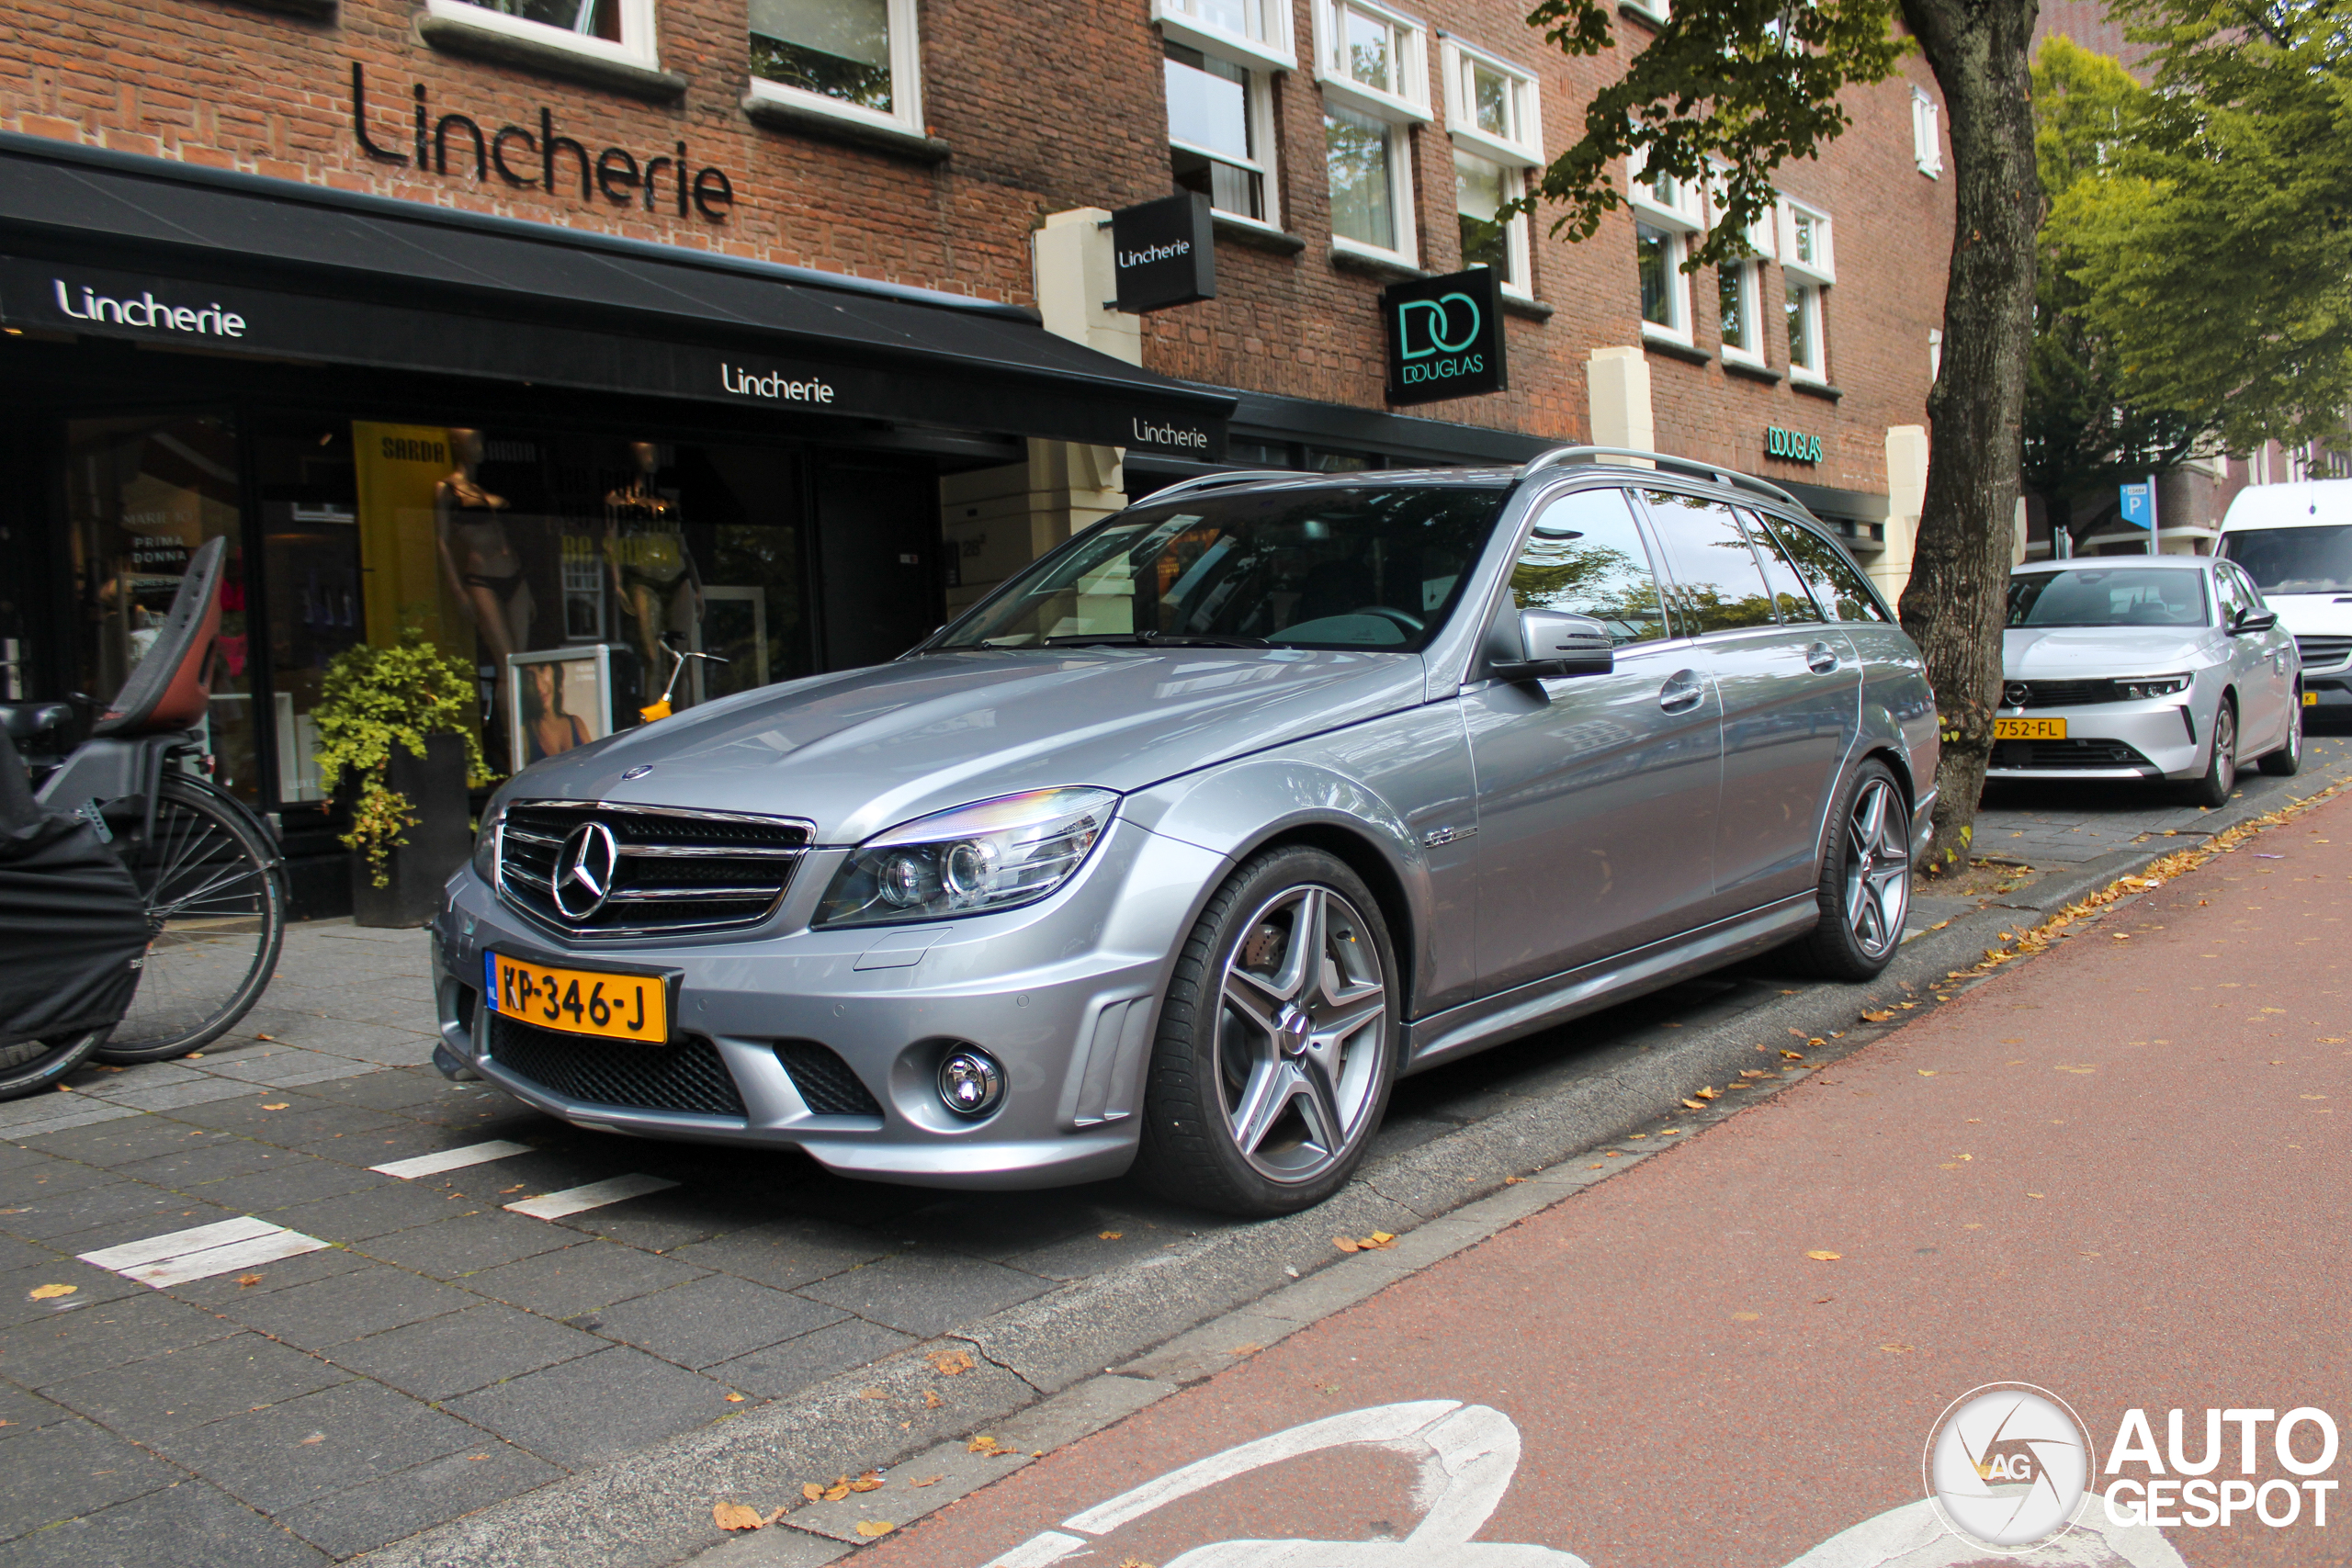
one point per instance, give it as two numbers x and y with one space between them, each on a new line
2294 560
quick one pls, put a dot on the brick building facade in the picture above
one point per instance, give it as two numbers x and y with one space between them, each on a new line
538 247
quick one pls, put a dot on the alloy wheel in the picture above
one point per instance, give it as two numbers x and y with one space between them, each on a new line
1302 1026
1878 867
2225 749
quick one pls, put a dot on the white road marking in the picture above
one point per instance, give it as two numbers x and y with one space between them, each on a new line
450 1160
178 1257
596 1195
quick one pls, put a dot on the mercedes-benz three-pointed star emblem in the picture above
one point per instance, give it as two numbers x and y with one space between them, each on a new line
583 871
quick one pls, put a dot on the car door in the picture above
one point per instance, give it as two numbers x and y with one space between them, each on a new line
1596 793
2249 663
2272 661
1790 684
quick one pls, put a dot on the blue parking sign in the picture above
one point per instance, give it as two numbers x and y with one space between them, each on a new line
2139 503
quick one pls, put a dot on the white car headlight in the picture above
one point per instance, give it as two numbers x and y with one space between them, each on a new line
2153 686
993 854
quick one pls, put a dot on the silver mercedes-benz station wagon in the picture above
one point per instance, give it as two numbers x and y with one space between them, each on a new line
1178 849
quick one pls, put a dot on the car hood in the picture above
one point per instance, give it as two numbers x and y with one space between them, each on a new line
864 749
2313 615
2078 652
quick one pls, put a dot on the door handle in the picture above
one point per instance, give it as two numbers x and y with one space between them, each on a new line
1821 659
1681 692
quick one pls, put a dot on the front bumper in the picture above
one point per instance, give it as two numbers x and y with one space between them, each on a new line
2160 738
1063 994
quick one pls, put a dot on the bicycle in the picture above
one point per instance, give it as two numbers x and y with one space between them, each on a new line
206 868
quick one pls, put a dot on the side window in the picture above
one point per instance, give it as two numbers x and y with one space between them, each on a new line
1718 587
1789 595
1837 585
2225 588
1585 558
2247 589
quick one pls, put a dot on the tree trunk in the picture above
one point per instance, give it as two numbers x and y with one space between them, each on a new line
1955 602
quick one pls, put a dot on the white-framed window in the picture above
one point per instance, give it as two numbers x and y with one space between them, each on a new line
1372 59
1927 133
1220 130
1662 199
1808 335
1739 300
1481 187
1368 167
1666 213
1655 11
1249 32
618 30
857 59
1806 244
1490 106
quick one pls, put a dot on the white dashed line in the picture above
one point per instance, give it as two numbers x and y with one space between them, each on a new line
596 1195
199 1254
450 1160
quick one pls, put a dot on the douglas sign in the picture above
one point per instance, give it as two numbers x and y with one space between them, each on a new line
1445 337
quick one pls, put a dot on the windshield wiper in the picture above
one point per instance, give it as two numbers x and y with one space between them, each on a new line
1154 639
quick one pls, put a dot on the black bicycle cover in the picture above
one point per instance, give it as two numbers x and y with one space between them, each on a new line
73 925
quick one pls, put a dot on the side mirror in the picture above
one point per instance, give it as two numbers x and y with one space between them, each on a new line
1548 644
2253 621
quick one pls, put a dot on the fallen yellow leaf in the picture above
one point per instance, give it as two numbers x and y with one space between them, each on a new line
871 1528
1879 1017
951 1363
1513 1180
1110 1235
813 1492
734 1399
279 1106
1346 1244
869 1482
931 1400
51 1293
1825 1257
1745 1317
245 1280
735 1516
925 1480
1792 1055
1925 1072
984 1444
1692 1105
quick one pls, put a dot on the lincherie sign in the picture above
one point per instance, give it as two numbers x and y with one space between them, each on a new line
529 161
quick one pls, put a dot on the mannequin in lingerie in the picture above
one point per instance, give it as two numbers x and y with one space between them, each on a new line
653 573
480 561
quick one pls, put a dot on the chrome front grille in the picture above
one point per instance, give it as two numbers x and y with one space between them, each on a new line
2323 652
672 869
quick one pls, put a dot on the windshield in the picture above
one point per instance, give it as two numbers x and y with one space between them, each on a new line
1350 565
2294 560
2115 596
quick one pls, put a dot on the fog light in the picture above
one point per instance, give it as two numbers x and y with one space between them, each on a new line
970 1083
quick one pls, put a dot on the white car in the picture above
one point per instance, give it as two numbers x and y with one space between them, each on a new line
2295 541
2145 667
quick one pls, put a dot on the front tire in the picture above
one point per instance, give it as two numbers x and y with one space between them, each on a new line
1865 885
2222 768
2287 761
1277 1045
31 1065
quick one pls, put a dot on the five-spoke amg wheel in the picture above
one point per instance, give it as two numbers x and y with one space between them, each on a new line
1277 1045
1865 878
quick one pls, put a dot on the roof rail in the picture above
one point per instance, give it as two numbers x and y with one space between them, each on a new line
1559 457
1218 480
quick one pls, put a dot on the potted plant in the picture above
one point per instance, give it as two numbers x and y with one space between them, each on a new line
401 721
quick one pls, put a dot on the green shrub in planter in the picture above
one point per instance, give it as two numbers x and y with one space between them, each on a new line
374 699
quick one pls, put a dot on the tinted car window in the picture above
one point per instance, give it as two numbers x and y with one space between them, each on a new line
1837 584
1343 565
1585 558
1789 595
2108 596
2294 560
1717 584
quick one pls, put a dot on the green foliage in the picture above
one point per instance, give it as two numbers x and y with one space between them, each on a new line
1727 92
374 699
2215 246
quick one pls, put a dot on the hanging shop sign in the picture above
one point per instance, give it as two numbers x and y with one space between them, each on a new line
540 160
1164 252
1795 446
1445 337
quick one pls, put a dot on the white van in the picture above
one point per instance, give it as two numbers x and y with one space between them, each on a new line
2295 541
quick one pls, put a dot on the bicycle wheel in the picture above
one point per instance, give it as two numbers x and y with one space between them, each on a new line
32 1064
216 903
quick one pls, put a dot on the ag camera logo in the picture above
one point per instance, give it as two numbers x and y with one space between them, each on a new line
2007 1466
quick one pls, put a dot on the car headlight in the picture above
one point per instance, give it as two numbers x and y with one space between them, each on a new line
2153 686
992 854
486 843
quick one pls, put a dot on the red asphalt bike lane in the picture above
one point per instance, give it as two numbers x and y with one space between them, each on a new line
2115 1171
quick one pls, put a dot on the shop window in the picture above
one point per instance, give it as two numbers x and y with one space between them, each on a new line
618 31
1927 133
1808 351
1220 130
142 495
857 59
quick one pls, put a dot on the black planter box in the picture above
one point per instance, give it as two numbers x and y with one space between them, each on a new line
435 784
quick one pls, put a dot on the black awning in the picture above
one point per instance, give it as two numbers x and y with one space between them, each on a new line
113 244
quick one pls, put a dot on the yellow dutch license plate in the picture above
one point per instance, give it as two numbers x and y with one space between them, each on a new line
2028 729
582 1001
2311 699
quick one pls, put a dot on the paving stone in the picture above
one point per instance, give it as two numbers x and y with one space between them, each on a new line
188 1524
217 1292
177 1095
598 1407
21 1411
18 1255
136 1207
371 1212
56 1177
709 1320
199 1160
395 1089
787 1368
925 1294
116 1142
657 1222
464 1351
289 1179
369 1298
785 1548
463 1243
147 1399
264 1457
580 1278
786 1254
390 1507
70 1468
85 1339
86 1112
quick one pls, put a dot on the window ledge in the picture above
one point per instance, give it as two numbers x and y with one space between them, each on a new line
454 37
1675 349
1641 14
1394 268
1752 370
1522 305
1812 388
778 114
1256 235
